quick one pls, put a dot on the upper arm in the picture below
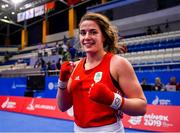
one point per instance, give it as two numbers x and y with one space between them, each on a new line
124 73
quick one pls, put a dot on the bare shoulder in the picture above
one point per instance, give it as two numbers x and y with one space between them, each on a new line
120 62
120 66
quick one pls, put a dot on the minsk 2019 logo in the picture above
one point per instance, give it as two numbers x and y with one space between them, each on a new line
135 120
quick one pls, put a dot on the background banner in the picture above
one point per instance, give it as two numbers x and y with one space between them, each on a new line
158 118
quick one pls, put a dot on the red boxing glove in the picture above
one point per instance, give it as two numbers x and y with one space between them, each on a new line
100 93
65 72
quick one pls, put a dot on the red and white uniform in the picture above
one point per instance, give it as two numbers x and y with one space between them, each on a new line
88 113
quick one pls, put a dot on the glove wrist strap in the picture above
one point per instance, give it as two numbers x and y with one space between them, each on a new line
117 102
62 85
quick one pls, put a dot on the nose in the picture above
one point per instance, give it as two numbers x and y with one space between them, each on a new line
87 35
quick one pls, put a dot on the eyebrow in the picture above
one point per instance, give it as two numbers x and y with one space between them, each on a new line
88 30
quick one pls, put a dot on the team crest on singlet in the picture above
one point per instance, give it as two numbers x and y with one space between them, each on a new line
97 77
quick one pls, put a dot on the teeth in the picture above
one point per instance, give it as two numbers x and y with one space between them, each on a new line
89 43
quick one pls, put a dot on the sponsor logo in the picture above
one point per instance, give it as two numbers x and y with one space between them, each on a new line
77 78
97 77
50 85
14 85
8 104
157 101
33 106
135 120
53 85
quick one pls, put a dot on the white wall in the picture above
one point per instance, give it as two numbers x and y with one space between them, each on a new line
141 22
138 24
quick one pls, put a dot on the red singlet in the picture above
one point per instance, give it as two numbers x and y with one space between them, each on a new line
88 113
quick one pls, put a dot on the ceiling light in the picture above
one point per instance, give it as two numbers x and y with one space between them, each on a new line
12 13
17 1
6 5
10 22
3 6
5 17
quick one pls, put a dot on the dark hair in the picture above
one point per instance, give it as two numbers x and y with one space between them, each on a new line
109 31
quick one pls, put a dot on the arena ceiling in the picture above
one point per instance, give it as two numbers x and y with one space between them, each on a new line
10 8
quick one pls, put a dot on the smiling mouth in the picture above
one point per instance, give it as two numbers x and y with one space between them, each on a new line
89 43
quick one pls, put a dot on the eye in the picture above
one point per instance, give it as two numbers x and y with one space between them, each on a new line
90 32
93 32
82 32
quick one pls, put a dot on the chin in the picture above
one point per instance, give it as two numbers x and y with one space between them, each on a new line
90 51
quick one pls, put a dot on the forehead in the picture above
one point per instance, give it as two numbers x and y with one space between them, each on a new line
89 24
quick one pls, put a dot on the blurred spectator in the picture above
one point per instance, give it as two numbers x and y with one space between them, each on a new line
40 63
7 56
144 81
158 86
65 39
48 65
65 47
58 64
40 54
72 52
66 56
45 52
150 31
43 65
54 51
158 30
173 85
145 86
53 65
37 64
167 26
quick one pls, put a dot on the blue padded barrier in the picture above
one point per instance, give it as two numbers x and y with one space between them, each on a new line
17 87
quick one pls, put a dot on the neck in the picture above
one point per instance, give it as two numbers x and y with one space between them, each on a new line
95 57
93 60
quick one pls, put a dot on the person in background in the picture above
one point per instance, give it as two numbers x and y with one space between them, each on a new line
144 81
149 31
101 86
145 86
72 52
48 64
158 85
58 64
158 30
173 82
53 65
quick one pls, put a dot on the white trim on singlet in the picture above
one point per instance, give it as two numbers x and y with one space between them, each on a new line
113 128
